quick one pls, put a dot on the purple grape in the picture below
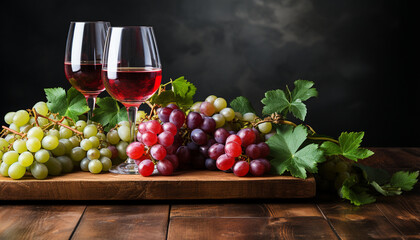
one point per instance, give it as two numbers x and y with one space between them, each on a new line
172 105
208 125
199 137
171 149
266 163
210 142
183 154
220 135
210 164
216 150
198 161
258 137
177 117
264 149
192 146
256 168
165 167
194 120
164 114
173 159
253 151
232 132
204 150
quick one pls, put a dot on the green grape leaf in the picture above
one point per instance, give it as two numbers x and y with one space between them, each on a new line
71 104
349 146
386 190
354 193
163 99
109 113
242 104
182 93
371 174
287 154
290 101
404 180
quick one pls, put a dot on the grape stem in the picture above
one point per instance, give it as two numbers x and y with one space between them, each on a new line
13 131
59 122
323 139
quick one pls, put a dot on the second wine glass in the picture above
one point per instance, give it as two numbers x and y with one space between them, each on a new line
131 73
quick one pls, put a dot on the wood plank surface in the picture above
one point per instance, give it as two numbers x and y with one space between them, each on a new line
38 221
123 222
182 185
250 228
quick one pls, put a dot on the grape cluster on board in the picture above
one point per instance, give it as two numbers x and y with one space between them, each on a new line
211 136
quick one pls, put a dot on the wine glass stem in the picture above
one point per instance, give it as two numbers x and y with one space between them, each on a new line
132 113
91 101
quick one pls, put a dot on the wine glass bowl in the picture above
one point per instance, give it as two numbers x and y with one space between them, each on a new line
83 59
131 73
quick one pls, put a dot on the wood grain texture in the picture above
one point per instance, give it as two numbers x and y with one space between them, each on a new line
182 185
250 228
38 221
123 222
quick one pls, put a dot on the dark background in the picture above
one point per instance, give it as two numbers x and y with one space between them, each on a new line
362 55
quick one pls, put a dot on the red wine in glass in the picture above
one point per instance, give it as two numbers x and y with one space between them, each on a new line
132 85
85 77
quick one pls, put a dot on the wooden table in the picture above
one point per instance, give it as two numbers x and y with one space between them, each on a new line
324 217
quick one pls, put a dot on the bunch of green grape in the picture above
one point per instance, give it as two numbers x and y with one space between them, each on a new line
43 147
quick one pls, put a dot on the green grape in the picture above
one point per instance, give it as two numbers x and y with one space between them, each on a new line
65 122
196 107
42 156
265 127
4 168
26 159
77 154
33 144
113 137
53 132
60 150
210 99
101 136
67 145
124 123
14 127
65 132
124 133
122 147
21 118
84 164
41 108
25 128
90 130
95 141
3 144
39 171
10 138
42 121
54 166
341 167
238 115
95 166
66 163
50 142
228 113
249 117
219 104
31 121
36 132
86 144
74 141
105 152
80 125
19 146
1 154
10 157
8 118
16 171
93 153
219 119
106 163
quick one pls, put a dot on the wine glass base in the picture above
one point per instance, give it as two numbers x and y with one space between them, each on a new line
125 168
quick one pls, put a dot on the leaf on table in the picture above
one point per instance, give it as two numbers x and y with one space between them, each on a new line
287 154
242 104
356 194
109 113
404 180
278 101
71 104
349 146
380 176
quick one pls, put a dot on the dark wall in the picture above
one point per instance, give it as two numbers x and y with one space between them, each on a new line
362 55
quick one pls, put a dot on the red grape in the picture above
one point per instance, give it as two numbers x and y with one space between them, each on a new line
165 167
154 126
234 138
135 150
142 127
146 167
233 149
216 150
173 159
256 168
207 108
170 127
149 138
253 151
177 117
266 163
114 151
158 152
224 162
166 139
247 136
139 160
241 168
138 136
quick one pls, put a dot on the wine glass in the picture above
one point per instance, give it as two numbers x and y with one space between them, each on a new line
131 72
83 59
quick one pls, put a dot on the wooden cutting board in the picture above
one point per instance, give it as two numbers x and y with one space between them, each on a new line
181 185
